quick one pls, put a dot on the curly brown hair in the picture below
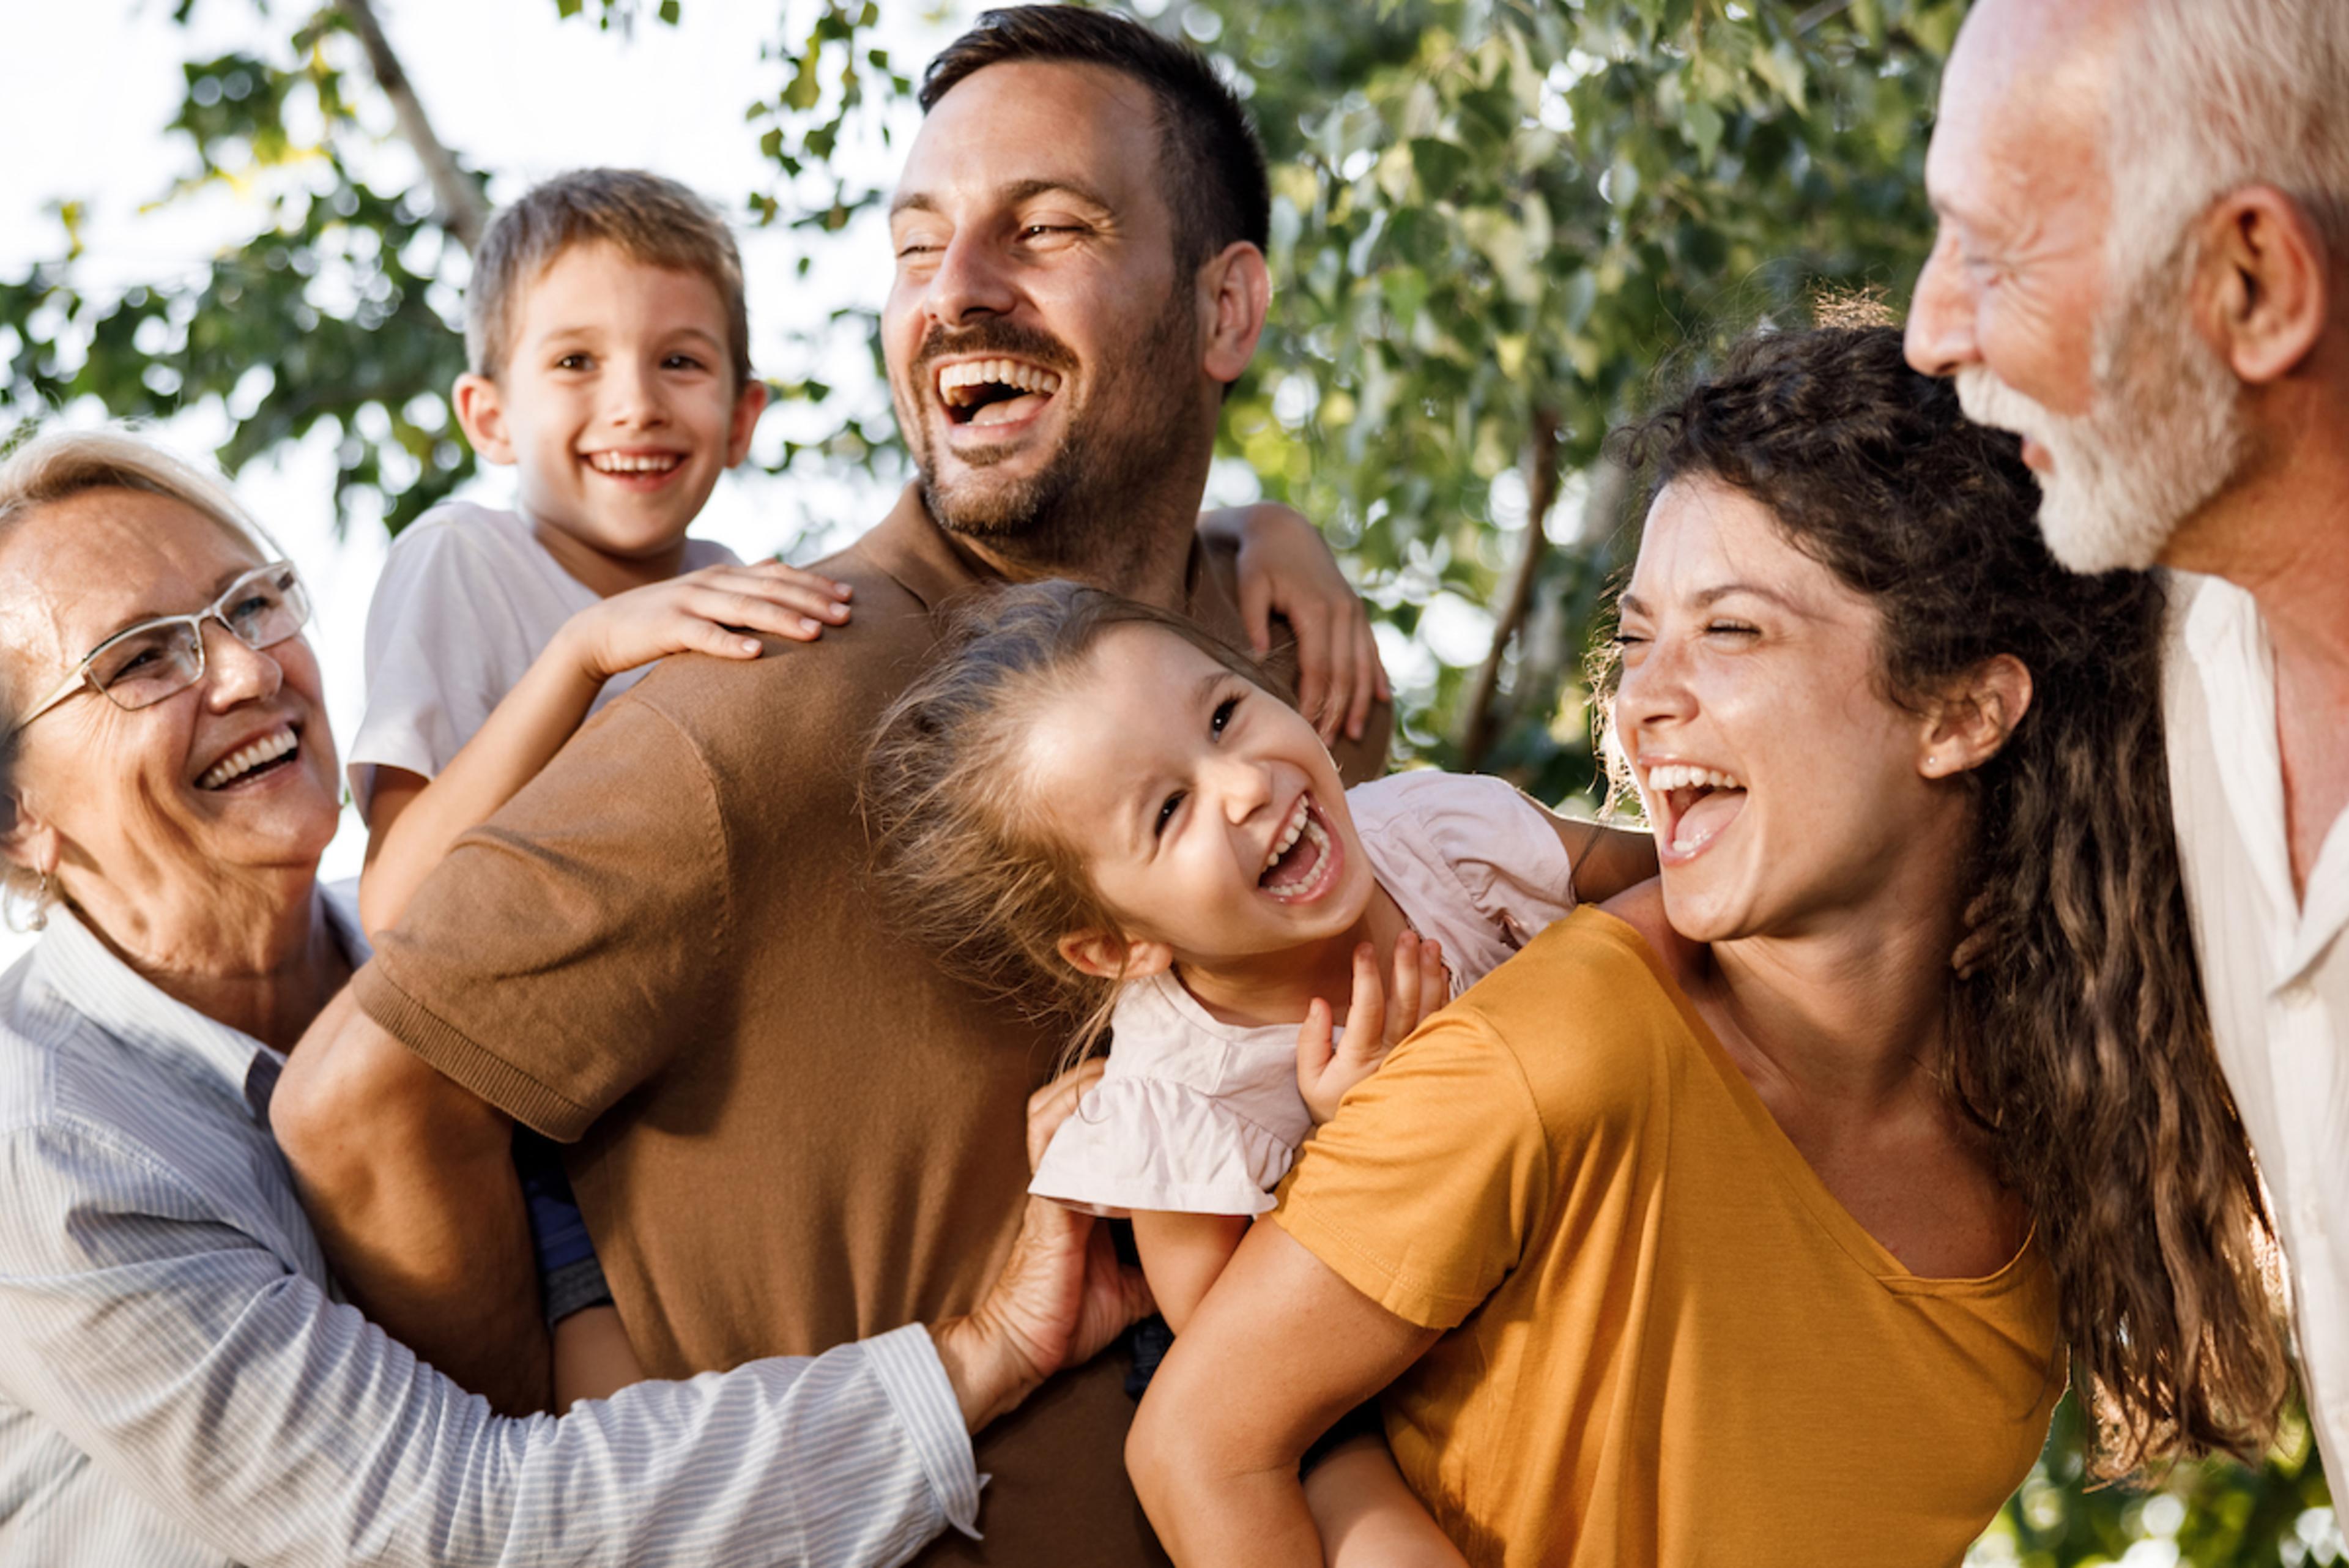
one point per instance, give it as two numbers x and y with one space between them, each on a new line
962 860
2079 1039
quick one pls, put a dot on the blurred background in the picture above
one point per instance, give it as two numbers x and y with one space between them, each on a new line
1499 226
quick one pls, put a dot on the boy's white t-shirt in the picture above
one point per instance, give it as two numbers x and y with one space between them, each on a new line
468 599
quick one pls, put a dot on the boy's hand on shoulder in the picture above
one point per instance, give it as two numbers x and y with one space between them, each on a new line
1286 568
1378 1019
708 611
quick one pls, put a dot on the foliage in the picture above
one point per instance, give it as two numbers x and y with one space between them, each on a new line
337 313
1499 224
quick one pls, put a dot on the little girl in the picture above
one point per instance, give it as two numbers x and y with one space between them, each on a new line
1098 810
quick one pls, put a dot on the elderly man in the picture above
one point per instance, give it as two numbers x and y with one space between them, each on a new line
790 1131
2143 267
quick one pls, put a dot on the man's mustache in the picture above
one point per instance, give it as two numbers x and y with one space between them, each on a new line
1004 339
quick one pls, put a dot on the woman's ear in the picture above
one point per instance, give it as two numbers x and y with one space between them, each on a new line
1971 722
1105 956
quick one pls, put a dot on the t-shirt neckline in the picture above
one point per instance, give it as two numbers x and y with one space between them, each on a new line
1828 1210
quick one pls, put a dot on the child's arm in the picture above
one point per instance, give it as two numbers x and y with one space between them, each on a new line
1327 1069
1368 1515
592 1357
413 821
1606 858
1286 568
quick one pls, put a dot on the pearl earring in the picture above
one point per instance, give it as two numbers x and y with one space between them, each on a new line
40 920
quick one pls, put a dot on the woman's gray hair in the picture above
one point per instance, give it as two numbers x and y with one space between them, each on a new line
2209 95
51 468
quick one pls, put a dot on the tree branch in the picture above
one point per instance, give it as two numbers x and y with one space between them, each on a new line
1480 724
463 212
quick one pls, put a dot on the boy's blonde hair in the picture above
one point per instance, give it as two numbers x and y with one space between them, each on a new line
653 220
962 857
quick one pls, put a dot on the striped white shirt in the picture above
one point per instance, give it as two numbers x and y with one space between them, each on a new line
181 1387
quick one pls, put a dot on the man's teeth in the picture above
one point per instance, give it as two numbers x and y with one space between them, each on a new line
244 759
959 385
633 462
1298 821
1668 776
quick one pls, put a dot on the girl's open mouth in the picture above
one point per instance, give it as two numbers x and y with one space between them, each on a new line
1697 805
1306 856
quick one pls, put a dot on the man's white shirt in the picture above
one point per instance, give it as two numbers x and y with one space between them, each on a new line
2275 966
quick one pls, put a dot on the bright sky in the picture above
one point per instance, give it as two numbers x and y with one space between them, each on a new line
516 91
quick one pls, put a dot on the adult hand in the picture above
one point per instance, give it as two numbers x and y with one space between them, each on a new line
1286 568
1053 1104
1062 1297
1377 1020
706 611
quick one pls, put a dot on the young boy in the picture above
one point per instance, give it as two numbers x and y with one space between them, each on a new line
610 366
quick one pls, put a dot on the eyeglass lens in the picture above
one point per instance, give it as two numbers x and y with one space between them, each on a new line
147 664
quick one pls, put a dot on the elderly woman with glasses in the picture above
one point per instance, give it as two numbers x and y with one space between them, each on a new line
180 1386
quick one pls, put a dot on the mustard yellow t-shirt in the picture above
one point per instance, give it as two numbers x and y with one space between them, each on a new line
1668 1343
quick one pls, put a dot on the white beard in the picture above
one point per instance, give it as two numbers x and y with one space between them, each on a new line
2162 434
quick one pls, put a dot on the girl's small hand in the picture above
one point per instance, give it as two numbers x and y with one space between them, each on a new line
1053 1104
1377 1020
706 611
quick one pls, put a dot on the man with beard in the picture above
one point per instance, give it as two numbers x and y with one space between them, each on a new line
790 1132
2143 268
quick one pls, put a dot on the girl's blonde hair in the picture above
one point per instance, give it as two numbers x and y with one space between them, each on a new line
56 467
962 856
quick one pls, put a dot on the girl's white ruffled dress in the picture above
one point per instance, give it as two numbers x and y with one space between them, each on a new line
1197 1116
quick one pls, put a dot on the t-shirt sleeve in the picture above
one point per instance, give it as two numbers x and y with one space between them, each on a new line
567 948
443 648
1162 1147
1500 846
1420 1192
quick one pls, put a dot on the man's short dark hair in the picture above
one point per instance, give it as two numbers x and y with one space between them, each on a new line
1213 163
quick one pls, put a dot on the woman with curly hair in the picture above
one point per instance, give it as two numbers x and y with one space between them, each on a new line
1752 1216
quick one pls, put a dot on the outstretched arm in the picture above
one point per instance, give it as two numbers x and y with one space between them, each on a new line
409 1179
1278 1350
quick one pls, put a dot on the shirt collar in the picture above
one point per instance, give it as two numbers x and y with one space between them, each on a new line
83 971
2227 638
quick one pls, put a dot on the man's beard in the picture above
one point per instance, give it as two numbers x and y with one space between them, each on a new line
2163 432
1091 507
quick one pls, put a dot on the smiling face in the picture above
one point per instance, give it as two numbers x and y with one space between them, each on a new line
1208 813
1044 347
616 401
1786 790
2060 303
237 773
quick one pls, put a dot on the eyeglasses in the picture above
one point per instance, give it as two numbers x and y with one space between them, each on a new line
141 665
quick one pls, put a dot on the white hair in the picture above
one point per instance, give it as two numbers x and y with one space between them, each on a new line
54 467
2209 95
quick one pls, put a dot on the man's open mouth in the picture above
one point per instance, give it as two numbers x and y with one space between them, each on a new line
994 391
1697 802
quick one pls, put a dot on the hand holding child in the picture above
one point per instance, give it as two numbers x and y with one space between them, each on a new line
1377 1020
708 611
1053 1104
